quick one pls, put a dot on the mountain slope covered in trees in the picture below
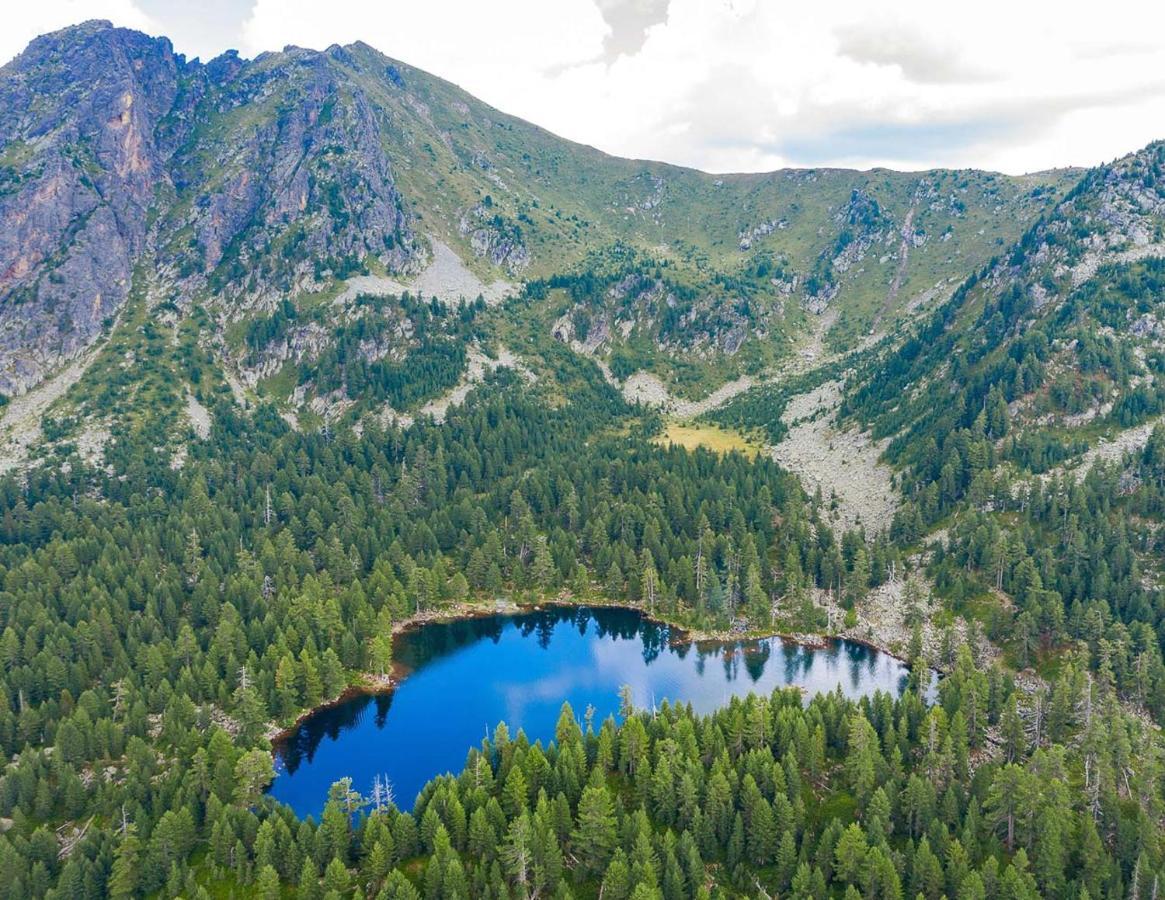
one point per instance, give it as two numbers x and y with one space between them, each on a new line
1026 417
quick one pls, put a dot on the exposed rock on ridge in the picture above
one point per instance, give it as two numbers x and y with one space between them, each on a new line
78 175
238 180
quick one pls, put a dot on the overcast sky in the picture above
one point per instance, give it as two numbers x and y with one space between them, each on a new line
738 85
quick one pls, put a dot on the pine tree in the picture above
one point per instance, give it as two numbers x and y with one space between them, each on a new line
123 879
594 836
267 884
253 772
850 855
380 654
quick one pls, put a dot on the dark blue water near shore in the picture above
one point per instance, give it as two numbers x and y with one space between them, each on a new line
464 677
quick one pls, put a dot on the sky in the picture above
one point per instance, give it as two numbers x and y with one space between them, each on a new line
737 85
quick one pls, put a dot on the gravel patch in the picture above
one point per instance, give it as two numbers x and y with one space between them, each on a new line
1106 450
238 392
477 367
20 426
844 465
883 620
648 389
445 277
198 416
91 442
1092 261
1114 450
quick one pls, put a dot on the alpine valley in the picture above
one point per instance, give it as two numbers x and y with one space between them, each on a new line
303 351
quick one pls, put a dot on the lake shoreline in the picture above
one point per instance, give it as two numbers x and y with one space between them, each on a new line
369 684
372 685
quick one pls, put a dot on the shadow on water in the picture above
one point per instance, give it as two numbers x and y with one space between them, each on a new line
465 676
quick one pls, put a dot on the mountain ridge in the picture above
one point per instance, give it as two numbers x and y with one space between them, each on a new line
270 218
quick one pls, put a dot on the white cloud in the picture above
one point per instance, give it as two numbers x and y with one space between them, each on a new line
496 43
752 84
24 21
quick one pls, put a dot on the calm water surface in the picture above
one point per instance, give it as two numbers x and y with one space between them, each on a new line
466 676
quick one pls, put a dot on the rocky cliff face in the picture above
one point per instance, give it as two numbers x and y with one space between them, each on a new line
282 182
231 179
78 173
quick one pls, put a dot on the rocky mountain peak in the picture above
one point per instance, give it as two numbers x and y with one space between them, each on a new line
115 151
79 168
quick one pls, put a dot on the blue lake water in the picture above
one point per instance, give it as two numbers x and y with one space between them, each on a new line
463 677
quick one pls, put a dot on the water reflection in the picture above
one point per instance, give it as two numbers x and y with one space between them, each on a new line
468 675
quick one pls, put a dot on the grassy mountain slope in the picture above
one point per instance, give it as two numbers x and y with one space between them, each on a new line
869 243
283 176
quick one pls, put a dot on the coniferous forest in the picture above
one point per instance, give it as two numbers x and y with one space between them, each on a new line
156 622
